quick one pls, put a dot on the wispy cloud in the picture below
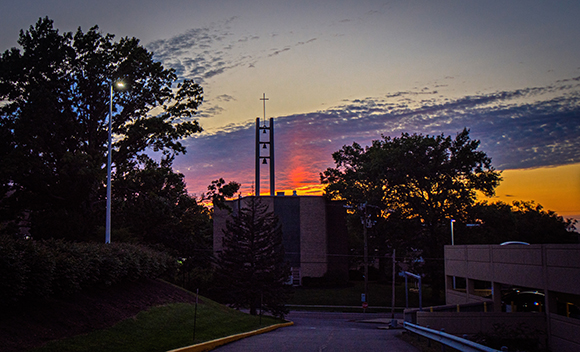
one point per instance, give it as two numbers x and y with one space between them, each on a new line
524 128
201 53
274 52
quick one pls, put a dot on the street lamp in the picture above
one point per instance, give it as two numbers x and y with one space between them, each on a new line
452 237
119 84
453 243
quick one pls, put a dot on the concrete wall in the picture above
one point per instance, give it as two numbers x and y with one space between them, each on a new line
515 264
565 333
552 268
471 323
563 268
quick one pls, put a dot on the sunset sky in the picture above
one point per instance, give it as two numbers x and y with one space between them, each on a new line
336 72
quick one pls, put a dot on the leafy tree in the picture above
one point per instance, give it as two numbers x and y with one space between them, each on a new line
419 182
430 178
251 266
520 221
54 95
152 206
219 190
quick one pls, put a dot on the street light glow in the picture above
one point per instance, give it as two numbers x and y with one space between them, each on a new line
119 84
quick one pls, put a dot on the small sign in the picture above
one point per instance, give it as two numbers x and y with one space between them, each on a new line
365 305
363 297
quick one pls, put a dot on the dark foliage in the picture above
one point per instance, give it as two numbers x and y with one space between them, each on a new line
54 126
152 207
219 190
34 270
417 183
251 268
520 221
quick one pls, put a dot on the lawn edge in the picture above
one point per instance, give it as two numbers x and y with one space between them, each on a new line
210 345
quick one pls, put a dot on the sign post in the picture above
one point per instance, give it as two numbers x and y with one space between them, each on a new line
365 305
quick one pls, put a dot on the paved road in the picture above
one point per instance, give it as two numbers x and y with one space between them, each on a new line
316 332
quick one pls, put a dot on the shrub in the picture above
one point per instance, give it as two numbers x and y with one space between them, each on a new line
13 272
32 269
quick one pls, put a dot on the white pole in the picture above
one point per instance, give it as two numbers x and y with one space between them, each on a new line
366 255
453 243
108 220
452 237
393 292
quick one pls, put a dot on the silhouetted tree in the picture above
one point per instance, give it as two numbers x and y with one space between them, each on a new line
219 190
520 221
422 181
54 124
251 268
152 206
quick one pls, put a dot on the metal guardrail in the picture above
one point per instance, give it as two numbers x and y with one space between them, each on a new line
453 341
398 309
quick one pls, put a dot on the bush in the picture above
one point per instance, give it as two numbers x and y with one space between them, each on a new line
13 272
32 270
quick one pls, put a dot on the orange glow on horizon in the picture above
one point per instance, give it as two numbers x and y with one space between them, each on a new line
308 190
555 188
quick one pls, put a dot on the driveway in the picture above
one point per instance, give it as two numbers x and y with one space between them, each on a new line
316 331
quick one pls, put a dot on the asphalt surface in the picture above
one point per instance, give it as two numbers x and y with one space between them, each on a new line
322 331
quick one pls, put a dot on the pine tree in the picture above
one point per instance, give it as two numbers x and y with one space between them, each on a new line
251 267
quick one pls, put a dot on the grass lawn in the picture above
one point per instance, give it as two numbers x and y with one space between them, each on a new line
164 328
379 295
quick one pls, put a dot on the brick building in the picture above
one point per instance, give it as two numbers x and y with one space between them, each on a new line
314 233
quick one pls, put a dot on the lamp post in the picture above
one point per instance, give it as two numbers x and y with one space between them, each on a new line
452 237
453 243
119 84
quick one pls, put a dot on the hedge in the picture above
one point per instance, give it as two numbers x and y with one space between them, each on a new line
39 269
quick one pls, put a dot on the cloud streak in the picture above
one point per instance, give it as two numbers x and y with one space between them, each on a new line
524 128
202 53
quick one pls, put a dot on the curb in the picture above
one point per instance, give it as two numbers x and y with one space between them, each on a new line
210 345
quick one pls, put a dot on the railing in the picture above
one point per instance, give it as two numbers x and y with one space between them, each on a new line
453 341
411 313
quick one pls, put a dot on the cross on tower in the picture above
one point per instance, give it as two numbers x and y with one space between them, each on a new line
263 98
260 143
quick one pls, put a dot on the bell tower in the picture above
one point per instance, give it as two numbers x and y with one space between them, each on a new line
264 148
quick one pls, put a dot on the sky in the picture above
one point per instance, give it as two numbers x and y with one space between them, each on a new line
338 72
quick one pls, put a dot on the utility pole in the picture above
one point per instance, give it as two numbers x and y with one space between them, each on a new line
393 292
366 253
367 224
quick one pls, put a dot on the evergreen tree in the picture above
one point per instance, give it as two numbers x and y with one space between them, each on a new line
251 267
